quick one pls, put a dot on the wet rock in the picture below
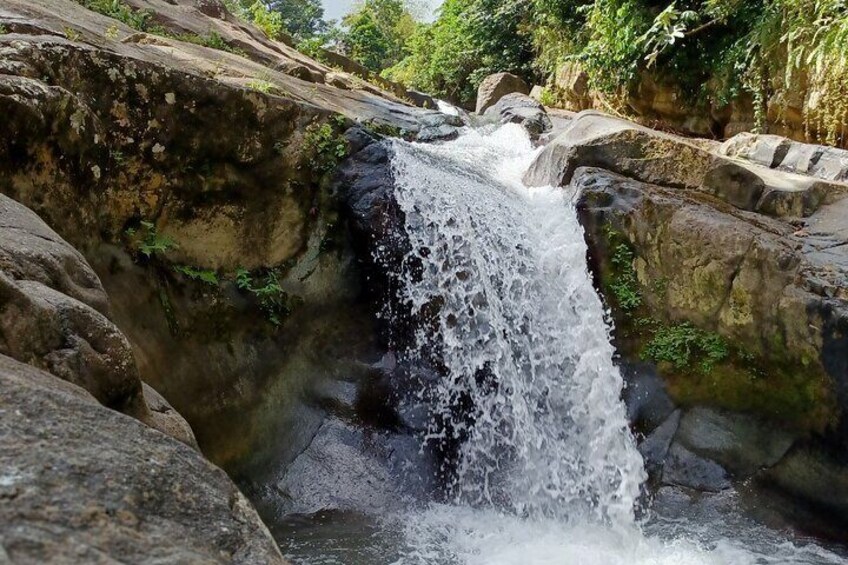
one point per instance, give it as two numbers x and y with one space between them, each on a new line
722 270
496 86
517 108
741 444
685 468
654 448
814 475
347 467
88 484
421 99
648 403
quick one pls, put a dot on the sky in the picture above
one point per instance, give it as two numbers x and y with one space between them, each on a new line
335 9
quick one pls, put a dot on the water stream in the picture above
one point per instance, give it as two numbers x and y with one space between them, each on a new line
544 469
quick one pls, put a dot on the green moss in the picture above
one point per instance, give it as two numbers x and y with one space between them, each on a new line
791 394
383 129
700 366
213 40
622 281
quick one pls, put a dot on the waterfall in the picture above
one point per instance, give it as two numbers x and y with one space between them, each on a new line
520 332
545 469
505 367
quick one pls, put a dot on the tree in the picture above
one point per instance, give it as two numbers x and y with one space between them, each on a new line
469 40
376 34
303 18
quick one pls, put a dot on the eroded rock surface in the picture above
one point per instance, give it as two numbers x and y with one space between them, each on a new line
54 315
597 140
81 483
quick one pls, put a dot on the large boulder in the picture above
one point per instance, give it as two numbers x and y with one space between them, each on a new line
593 139
82 483
665 256
54 315
517 108
496 86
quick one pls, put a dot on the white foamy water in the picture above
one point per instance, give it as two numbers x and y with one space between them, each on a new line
547 471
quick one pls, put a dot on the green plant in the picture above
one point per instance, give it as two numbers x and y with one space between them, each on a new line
684 345
323 146
548 98
3 29
147 240
111 32
260 85
72 34
140 20
265 287
622 282
207 276
270 22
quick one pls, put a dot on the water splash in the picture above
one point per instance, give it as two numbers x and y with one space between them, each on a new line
530 393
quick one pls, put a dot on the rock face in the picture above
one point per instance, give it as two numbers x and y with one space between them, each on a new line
82 483
196 182
214 163
773 151
53 315
596 140
496 86
656 100
730 274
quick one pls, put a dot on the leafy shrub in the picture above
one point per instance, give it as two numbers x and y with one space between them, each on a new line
684 345
271 23
140 20
324 147
147 240
207 276
266 289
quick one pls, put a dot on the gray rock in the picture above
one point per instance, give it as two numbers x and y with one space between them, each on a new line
766 150
828 163
654 448
84 484
593 139
53 315
648 403
342 469
741 443
495 86
812 474
520 109
686 469
30 250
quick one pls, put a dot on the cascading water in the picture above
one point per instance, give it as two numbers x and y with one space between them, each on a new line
545 470
520 332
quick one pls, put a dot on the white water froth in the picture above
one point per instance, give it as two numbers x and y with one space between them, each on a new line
548 472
